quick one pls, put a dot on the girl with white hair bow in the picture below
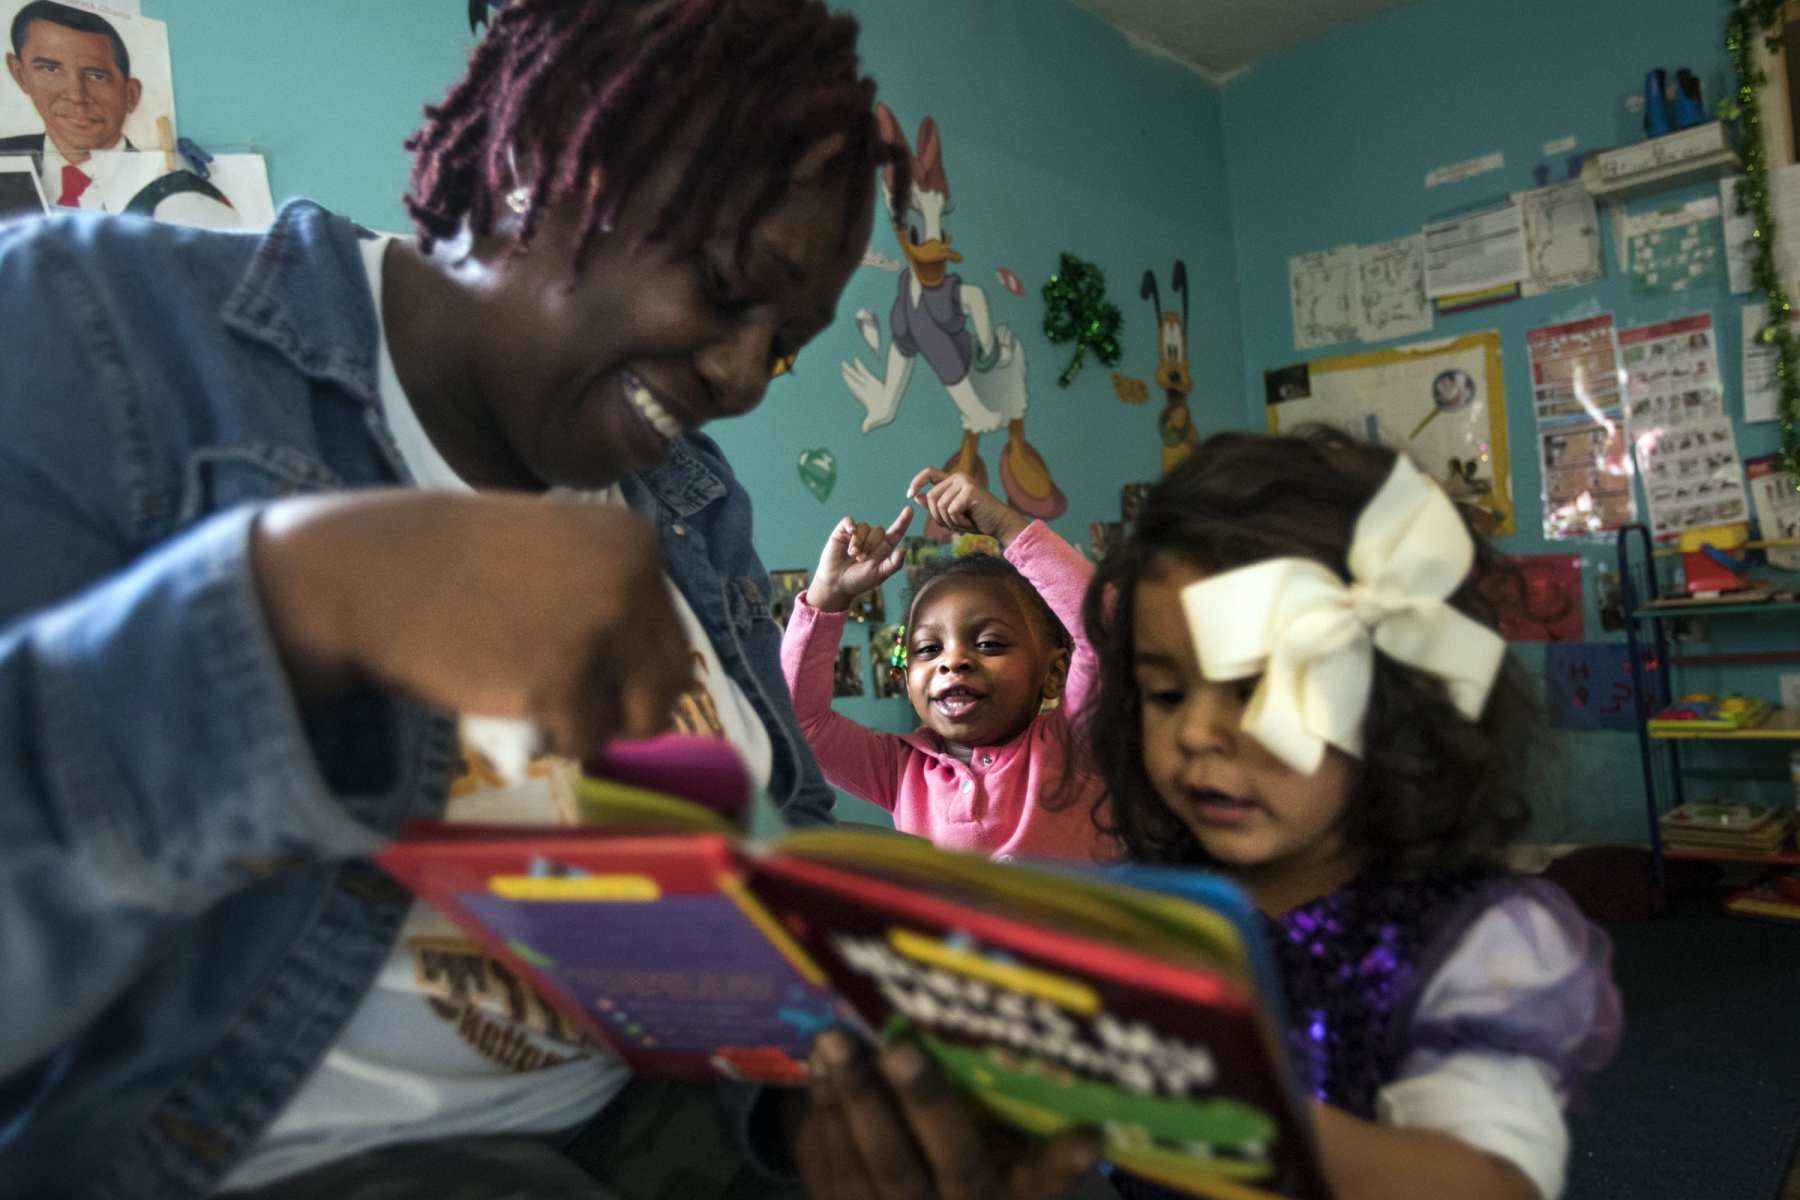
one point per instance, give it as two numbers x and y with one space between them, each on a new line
1301 687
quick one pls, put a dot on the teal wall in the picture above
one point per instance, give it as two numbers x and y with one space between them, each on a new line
1057 136
1330 143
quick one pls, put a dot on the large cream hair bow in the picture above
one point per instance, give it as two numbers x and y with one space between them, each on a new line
1313 638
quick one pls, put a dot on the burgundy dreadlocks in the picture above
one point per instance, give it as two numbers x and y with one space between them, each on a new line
561 88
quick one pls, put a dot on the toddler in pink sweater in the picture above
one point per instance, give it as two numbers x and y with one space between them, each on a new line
997 668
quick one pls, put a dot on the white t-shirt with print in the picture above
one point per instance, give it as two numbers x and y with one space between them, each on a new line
448 1042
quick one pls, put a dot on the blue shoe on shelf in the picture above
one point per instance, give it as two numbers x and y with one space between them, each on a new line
1656 104
1689 109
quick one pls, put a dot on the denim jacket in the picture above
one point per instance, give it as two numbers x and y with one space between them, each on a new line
185 921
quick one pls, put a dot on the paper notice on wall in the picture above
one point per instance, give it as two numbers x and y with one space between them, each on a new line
1784 202
1562 238
1777 508
1671 375
1475 251
1692 477
1391 289
1575 371
1762 387
1672 250
1468 168
1322 287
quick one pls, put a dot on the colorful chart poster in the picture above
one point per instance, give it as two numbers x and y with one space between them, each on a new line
1674 250
1588 687
1685 446
1587 479
1574 370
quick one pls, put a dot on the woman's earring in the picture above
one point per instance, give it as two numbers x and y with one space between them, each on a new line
519 200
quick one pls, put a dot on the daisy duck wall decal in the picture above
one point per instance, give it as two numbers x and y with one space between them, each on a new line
940 318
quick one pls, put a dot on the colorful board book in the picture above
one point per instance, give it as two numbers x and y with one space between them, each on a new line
1703 711
1137 1001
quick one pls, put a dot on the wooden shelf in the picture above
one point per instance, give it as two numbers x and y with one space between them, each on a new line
1660 163
1780 858
1664 610
1783 725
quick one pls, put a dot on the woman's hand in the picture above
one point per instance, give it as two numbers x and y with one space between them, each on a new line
900 1132
491 605
961 505
857 558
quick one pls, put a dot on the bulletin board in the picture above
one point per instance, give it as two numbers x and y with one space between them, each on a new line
1443 402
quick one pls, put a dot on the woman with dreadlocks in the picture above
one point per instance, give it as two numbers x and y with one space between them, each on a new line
286 506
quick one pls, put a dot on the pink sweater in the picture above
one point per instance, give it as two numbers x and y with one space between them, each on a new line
991 803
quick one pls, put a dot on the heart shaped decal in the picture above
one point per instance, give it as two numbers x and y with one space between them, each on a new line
818 471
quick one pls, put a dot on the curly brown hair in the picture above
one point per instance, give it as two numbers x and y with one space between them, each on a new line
560 89
1433 789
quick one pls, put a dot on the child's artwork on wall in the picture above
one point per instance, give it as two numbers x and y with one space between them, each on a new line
1539 598
868 608
846 676
1562 238
1175 423
86 85
783 587
1391 290
1442 402
948 322
1322 295
234 194
1587 686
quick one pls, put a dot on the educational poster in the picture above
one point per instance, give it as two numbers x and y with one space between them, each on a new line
1574 370
1391 290
1675 418
1586 466
1475 252
21 195
1442 402
1322 292
1762 388
1542 602
955 328
1588 687
1562 238
124 61
1777 508
1673 250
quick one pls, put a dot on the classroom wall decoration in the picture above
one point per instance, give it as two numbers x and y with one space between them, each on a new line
949 322
124 61
1588 688
1442 402
1541 601
1175 423
818 472
1578 407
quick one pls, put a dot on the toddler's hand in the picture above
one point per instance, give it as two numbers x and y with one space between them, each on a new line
857 558
961 505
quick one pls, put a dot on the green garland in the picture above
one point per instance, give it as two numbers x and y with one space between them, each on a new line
1750 18
1076 310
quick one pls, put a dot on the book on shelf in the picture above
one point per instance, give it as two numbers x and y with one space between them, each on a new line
1771 899
1139 1001
1717 825
1704 711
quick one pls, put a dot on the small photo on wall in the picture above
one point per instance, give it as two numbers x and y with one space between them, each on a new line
87 81
918 551
846 678
887 661
783 587
868 608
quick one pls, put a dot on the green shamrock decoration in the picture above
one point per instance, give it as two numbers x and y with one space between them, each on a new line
1076 310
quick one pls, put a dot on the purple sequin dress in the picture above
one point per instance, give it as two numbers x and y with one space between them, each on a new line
1355 963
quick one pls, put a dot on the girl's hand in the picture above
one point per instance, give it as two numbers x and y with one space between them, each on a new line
869 1133
961 505
490 605
857 558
